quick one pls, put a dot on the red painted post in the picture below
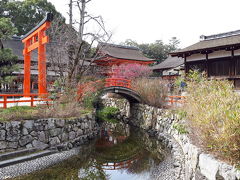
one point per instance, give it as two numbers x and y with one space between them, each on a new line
4 102
32 101
27 68
36 40
42 82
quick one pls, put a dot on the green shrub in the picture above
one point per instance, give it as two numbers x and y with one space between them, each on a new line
89 100
107 114
213 109
180 128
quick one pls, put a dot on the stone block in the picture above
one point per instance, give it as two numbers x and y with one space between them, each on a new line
34 133
38 127
227 172
28 124
79 132
54 141
12 145
3 145
25 140
28 146
60 123
51 123
208 166
2 125
42 137
15 124
2 135
72 135
75 128
55 132
64 137
39 145
13 134
25 131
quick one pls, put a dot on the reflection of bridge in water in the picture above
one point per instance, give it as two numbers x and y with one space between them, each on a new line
108 139
119 165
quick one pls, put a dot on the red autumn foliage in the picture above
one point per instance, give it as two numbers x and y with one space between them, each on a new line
89 88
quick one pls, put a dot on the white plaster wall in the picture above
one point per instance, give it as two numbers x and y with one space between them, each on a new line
237 52
22 103
218 54
195 57
215 54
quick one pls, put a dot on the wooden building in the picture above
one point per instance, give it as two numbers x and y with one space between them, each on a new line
218 55
111 54
170 68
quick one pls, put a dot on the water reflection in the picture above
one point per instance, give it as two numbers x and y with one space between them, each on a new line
120 153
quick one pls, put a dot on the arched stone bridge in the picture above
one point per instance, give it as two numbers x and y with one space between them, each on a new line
122 87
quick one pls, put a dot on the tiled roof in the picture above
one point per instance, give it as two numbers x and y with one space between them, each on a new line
212 42
122 52
17 47
170 62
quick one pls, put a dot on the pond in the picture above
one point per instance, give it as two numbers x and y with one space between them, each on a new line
120 152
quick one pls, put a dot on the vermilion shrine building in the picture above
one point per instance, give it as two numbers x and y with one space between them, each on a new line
111 54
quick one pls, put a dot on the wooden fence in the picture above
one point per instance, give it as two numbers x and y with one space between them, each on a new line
175 100
118 82
6 99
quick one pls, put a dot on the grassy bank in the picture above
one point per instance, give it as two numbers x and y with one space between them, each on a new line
18 113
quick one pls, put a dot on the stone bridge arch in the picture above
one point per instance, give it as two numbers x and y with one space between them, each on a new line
129 94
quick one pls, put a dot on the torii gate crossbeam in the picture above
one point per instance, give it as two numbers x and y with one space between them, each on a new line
36 39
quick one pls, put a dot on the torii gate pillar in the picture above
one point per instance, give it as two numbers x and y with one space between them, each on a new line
36 39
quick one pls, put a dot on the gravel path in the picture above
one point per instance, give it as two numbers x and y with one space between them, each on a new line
164 171
36 164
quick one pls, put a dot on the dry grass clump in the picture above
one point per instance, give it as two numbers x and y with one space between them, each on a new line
152 91
66 106
213 109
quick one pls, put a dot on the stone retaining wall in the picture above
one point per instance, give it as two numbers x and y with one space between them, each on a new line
46 133
122 104
198 165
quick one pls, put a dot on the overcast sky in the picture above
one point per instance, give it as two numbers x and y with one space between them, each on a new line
148 20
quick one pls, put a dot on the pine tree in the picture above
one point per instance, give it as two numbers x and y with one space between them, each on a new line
8 61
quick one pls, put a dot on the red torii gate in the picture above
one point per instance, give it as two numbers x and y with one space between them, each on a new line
34 39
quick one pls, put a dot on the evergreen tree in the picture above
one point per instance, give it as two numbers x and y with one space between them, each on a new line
7 59
27 14
157 50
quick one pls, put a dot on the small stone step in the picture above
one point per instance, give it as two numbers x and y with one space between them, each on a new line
25 158
8 155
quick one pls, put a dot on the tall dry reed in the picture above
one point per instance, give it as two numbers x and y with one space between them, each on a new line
213 108
152 91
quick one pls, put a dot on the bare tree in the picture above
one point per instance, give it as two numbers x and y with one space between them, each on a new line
71 50
70 12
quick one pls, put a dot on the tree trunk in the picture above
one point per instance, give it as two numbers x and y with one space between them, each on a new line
70 13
